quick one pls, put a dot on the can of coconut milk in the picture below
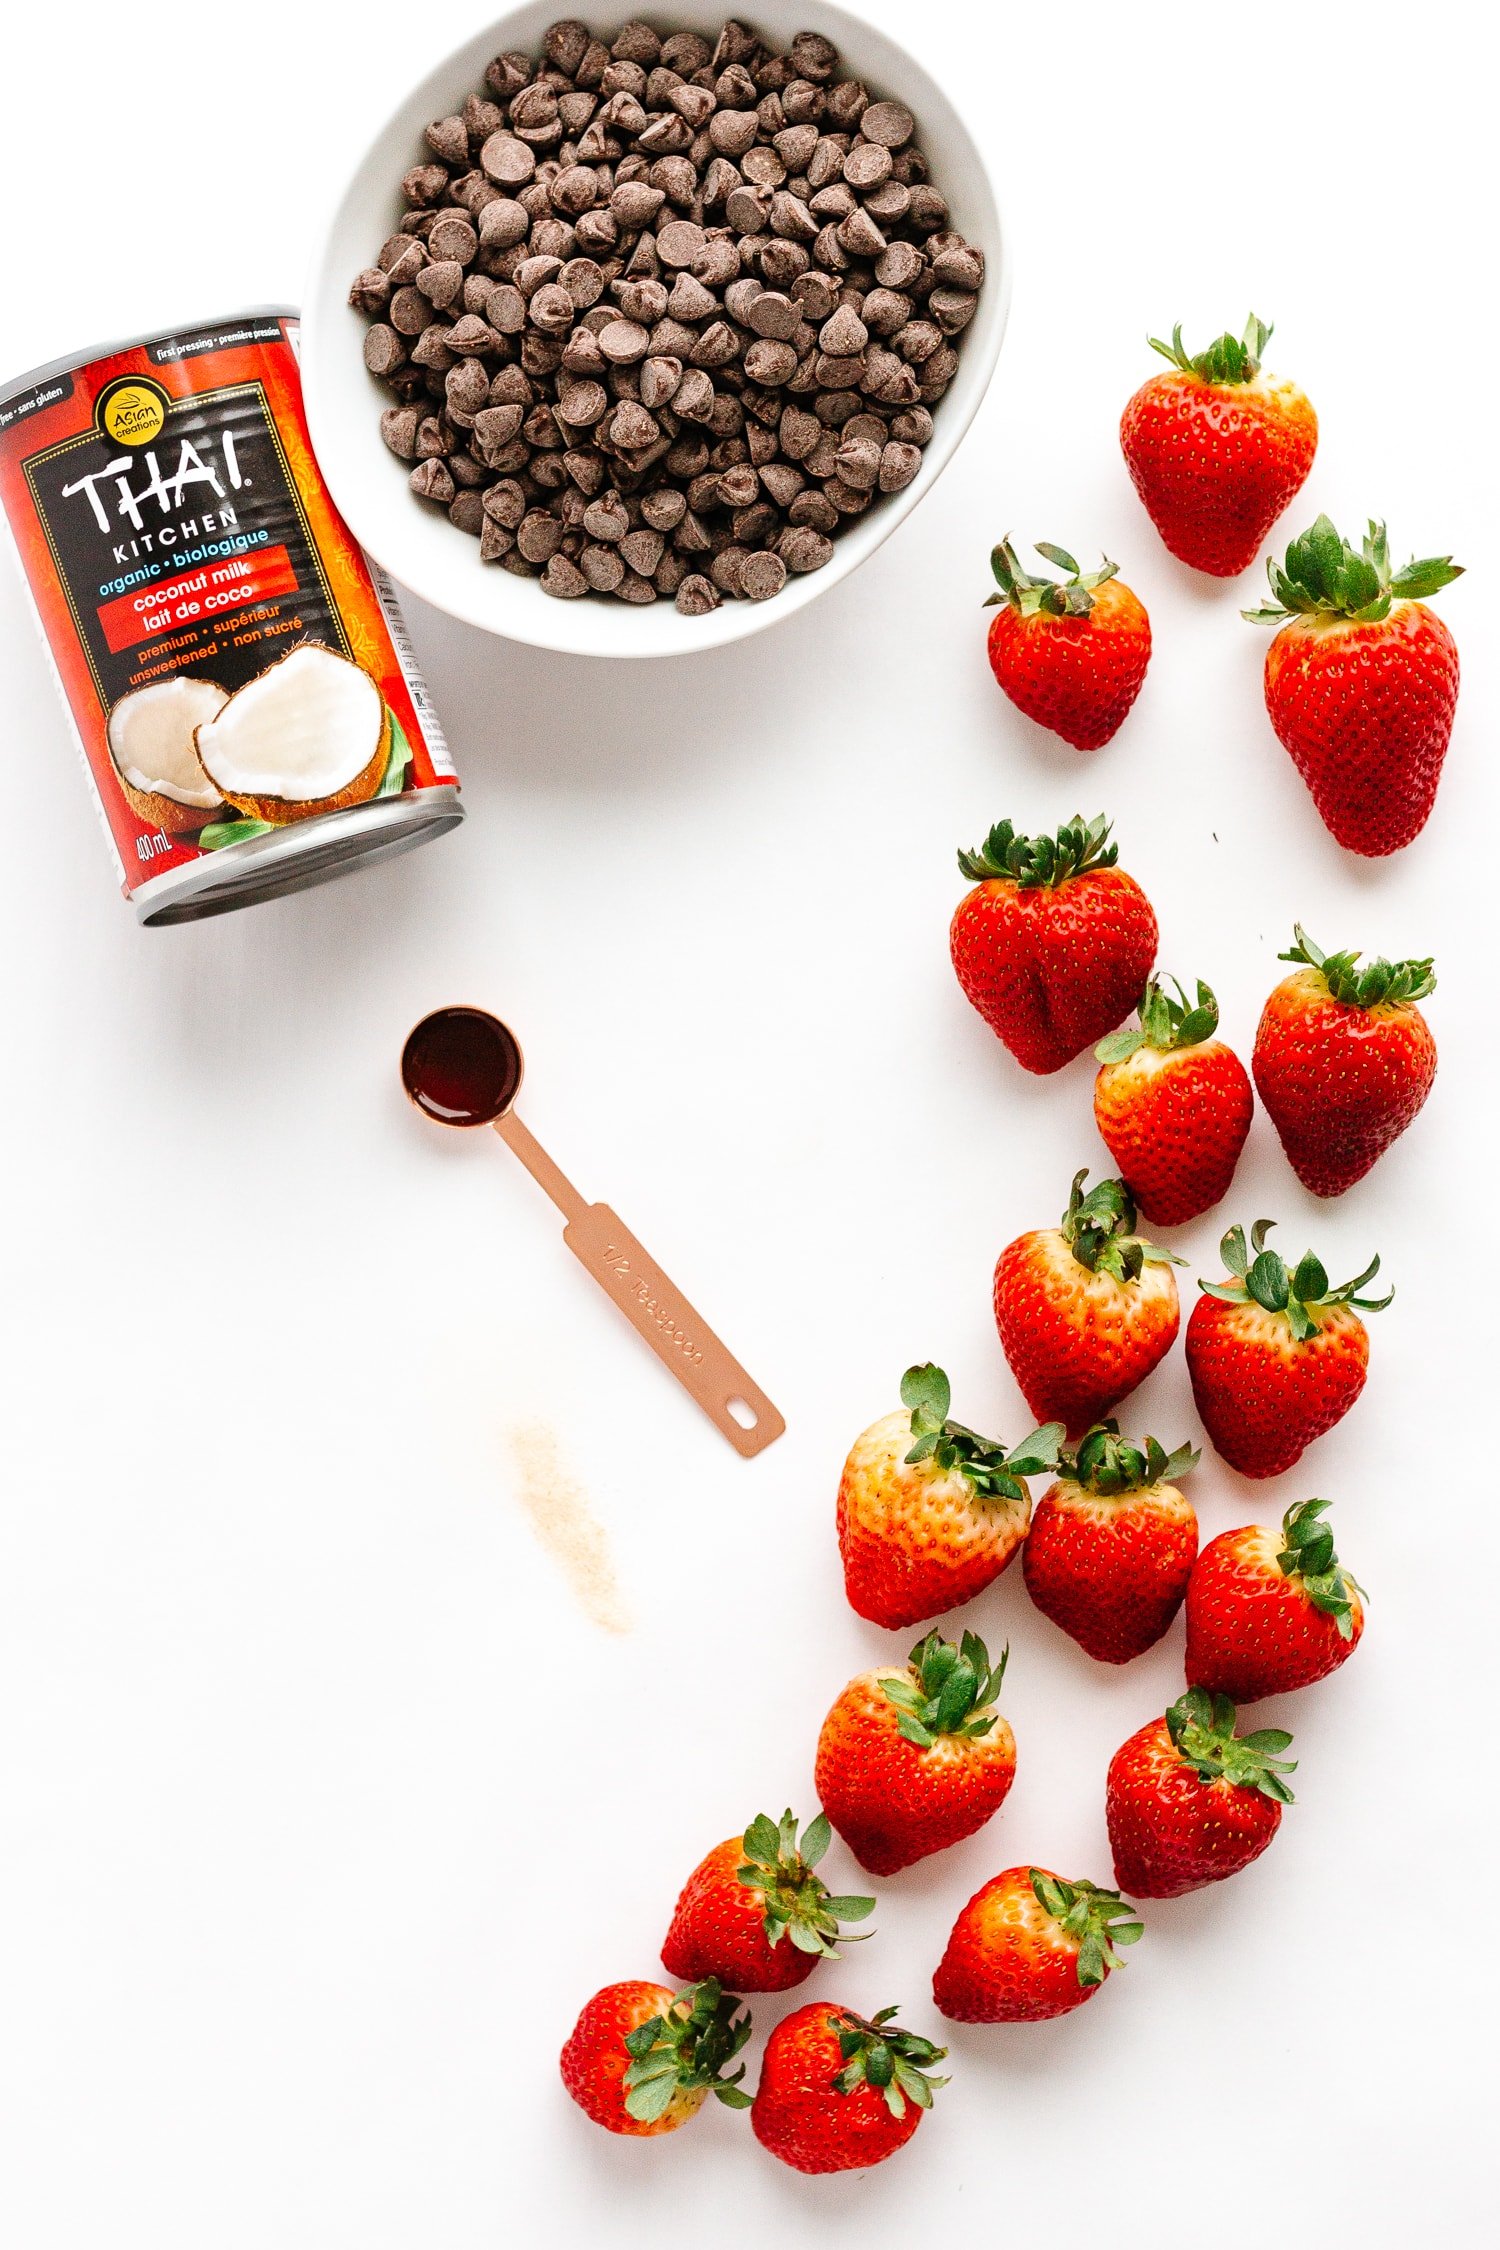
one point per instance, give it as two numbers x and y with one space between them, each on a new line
238 675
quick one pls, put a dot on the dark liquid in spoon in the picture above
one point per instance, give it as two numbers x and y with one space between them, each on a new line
461 1066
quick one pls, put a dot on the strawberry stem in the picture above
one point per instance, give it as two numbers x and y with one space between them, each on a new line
1323 576
1261 1277
877 2053
1166 1025
949 1689
1097 1921
797 1902
686 2048
1099 1229
1202 1730
1105 1463
1228 359
1308 1555
991 1470
1379 984
1031 596
1041 862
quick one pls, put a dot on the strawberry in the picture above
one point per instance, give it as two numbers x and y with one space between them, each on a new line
1070 656
1361 683
912 1759
642 2059
1029 1946
1173 1106
1343 1060
1112 1544
1217 448
837 2093
929 1513
754 1915
1086 1309
1055 941
1266 1614
1188 1802
1275 1358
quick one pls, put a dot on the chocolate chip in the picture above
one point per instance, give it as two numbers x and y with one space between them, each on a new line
623 341
803 549
696 596
761 576
889 124
564 579
769 362
678 242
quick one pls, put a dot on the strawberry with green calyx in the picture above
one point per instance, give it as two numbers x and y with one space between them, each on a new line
838 2091
1071 656
1055 941
1276 1356
1343 1060
929 1512
1086 1309
1112 1544
914 1758
755 1915
1217 448
1268 1612
1361 683
642 2059
1188 1802
1029 1946
1173 1105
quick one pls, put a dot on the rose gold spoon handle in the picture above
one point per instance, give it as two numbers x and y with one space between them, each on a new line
654 1306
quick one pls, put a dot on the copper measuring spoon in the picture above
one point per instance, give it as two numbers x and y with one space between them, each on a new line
462 1066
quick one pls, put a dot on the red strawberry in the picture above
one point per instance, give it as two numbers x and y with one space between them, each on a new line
1361 683
1029 1946
1343 1060
1188 1802
914 1758
1053 945
642 2059
930 1513
1217 448
1173 1106
753 1913
1112 1544
837 2093
1072 657
1085 1310
1266 1614
1276 1358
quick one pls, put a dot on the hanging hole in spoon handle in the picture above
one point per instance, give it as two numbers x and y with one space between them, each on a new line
679 1336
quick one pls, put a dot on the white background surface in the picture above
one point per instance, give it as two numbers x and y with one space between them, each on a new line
321 1805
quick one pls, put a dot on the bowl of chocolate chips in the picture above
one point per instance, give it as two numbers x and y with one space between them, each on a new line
630 336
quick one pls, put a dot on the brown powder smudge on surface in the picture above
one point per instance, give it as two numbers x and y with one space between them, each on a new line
558 1510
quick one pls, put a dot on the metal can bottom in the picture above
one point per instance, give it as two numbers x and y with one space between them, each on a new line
297 857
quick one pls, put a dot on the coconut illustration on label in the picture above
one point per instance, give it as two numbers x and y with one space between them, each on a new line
150 739
311 734
238 675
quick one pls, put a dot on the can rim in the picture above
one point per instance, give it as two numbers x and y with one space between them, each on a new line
70 362
299 856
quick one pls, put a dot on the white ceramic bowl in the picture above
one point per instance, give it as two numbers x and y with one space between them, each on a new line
416 543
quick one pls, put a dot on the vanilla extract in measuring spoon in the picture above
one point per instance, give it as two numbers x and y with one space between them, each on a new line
463 1067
